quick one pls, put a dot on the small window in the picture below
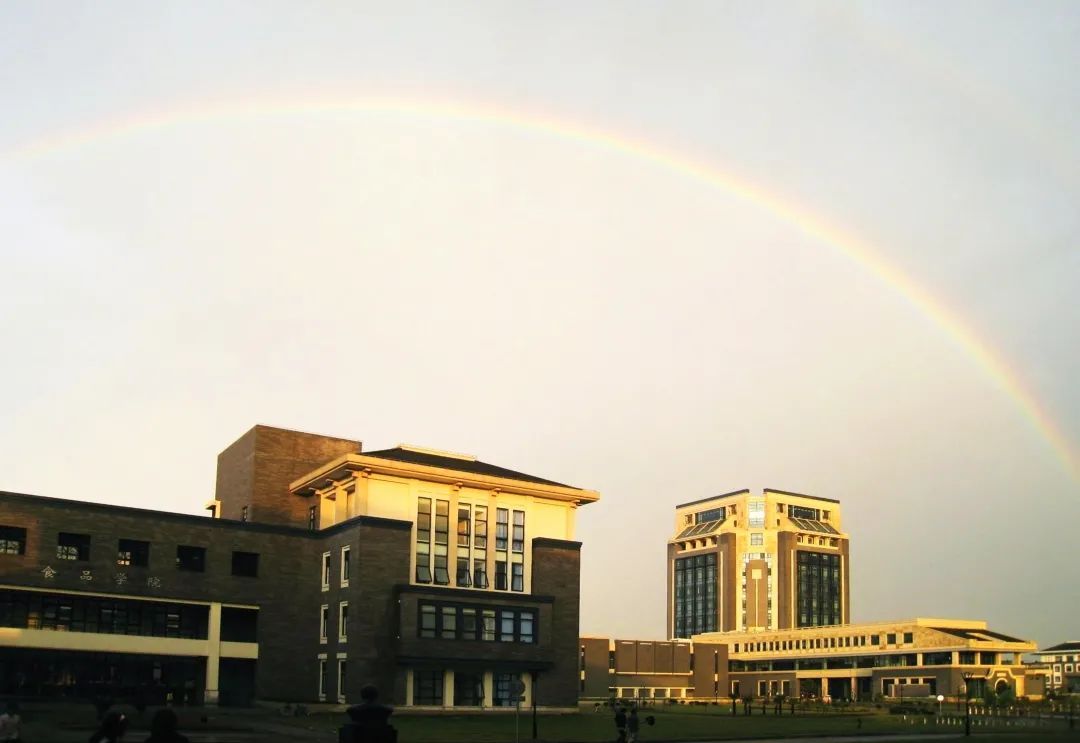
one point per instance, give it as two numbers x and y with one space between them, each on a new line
341 680
133 553
527 631
517 543
464 576
245 564
324 620
489 625
322 679
244 513
192 559
517 577
311 519
343 621
757 540
500 575
909 638
875 639
345 554
325 571
72 546
469 627
506 625
448 621
480 573
12 540
428 620
890 638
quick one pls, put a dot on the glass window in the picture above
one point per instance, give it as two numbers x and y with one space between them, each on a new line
464 525
817 589
711 514
757 539
341 679
757 514
695 595
322 678
133 553
12 540
890 638
489 625
909 638
480 573
442 536
480 536
428 687
325 572
506 625
245 564
343 620
324 621
464 575
503 689
72 546
345 566
449 623
428 619
518 542
502 517
311 521
468 689
500 575
191 559
469 626
527 629
517 577
423 540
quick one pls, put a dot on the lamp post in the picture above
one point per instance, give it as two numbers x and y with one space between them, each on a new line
968 675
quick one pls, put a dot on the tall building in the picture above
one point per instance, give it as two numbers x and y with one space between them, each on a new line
746 562
439 578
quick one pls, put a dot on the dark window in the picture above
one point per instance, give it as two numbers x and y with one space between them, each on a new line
480 538
428 687
468 689
457 622
909 637
239 625
817 589
526 626
464 525
507 621
72 546
311 519
890 638
423 540
133 553
469 626
517 576
76 613
345 553
711 514
800 512
500 575
326 569
244 513
12 540
448 622
245 564
875 639
488 615
695 595
442 536
464 577
937 659
190 558
480 573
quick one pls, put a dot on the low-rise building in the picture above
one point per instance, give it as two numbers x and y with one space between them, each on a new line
1063 665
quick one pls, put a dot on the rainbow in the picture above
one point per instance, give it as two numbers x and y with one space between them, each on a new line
810 224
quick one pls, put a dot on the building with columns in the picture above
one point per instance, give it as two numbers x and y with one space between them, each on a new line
441 579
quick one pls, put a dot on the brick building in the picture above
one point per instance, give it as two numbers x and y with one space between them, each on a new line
439 578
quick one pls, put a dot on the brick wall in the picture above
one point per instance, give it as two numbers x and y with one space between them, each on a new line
556 572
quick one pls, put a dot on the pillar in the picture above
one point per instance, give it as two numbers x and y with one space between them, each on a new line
213 655
409 687
526 679
448 689
489 687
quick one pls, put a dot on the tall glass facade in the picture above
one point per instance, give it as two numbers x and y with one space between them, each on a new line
818 589
695 595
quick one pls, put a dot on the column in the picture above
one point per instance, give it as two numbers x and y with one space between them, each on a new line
408 687
213 655
448 689
526 679
489 687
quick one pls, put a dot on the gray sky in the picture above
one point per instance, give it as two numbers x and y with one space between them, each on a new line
550 303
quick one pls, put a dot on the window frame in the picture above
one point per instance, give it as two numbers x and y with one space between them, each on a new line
324 621
244 564
80 544
324 571
191 550
345 568
12 540
137 549
343 621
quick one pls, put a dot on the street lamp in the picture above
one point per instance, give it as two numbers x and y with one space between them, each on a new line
968 676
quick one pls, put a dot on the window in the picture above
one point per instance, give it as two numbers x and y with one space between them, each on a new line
324 621
322 678
345 567
503 689
464 575
341 679
12 540
695 595
470 622
311 519
442 532
711 514
875 639
501 523
133 553
191 559
468 689
817 589
909 638
757 514
480 538
102 615
428 687
464 525
890 638
518 542
244 513
423 540
757 540
517 577
324 572
500 575
72 546
245 564
801 512
480 573
343 621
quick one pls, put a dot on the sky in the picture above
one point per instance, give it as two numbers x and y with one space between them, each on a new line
659 250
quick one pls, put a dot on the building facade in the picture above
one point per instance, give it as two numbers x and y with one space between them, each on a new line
915 658
1062 662
441 579
744 561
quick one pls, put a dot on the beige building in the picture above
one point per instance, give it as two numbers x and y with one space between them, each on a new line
747 561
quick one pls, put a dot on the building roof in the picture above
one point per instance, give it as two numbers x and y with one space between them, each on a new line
457 463
982 635
1063 647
